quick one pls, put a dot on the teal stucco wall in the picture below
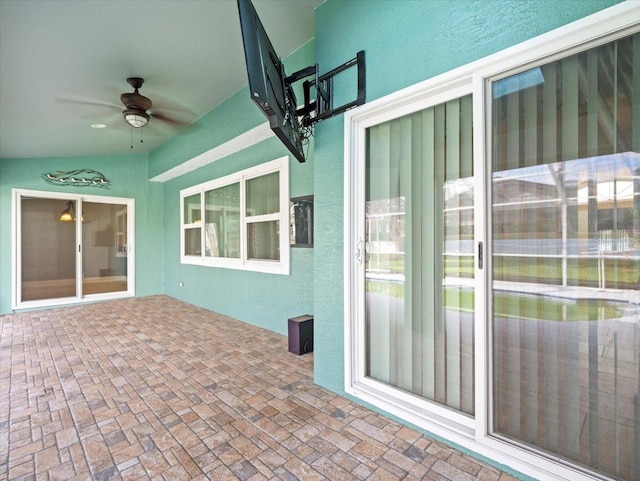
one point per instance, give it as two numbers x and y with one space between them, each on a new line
405 42
127 175
267 300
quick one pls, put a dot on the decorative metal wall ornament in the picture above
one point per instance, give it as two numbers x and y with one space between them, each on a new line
77 178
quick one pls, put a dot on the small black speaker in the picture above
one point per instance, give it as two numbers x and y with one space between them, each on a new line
301 334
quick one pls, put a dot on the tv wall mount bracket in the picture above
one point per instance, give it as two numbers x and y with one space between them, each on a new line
320 108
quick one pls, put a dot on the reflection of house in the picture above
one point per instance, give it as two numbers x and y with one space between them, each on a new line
607 180
516 193
595 195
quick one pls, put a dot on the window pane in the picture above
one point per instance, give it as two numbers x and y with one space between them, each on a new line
263 240
419 254
222 228
192 242
192 208
566 257
263 194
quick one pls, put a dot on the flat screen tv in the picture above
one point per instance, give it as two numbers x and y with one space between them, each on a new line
267 84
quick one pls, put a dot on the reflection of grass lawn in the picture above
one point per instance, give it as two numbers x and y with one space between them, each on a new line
581 272
515 305
391 289
584 272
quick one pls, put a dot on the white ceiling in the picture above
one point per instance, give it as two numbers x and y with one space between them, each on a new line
59 58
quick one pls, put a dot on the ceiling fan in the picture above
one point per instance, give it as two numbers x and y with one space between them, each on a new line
138 109
136 104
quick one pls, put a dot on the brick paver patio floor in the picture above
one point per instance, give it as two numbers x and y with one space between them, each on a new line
154 388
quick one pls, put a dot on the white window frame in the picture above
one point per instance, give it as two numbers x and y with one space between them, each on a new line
473 434
282 266
80 297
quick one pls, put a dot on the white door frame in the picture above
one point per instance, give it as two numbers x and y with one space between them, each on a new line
16 253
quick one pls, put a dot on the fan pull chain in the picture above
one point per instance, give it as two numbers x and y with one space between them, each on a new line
141 141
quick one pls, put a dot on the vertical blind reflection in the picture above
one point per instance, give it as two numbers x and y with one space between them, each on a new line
566 257
263 194
419 254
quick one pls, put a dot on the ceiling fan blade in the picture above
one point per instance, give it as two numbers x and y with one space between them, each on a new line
111 120
164 104
91 103
169 120
89 109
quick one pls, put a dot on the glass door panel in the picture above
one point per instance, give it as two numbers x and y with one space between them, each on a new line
566 258
419 270
48 246
68 249
104 242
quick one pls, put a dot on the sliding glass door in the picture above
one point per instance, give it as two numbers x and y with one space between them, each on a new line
492 281
68 248
566 258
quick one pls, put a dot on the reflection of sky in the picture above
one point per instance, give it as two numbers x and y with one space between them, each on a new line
453 188
518 82
603 169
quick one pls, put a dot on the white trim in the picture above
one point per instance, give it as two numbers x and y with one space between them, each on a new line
282 266
238 143
80 248
482 211
16 272
599 28
527 462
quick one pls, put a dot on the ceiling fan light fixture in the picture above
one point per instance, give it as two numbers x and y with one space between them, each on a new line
136 118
